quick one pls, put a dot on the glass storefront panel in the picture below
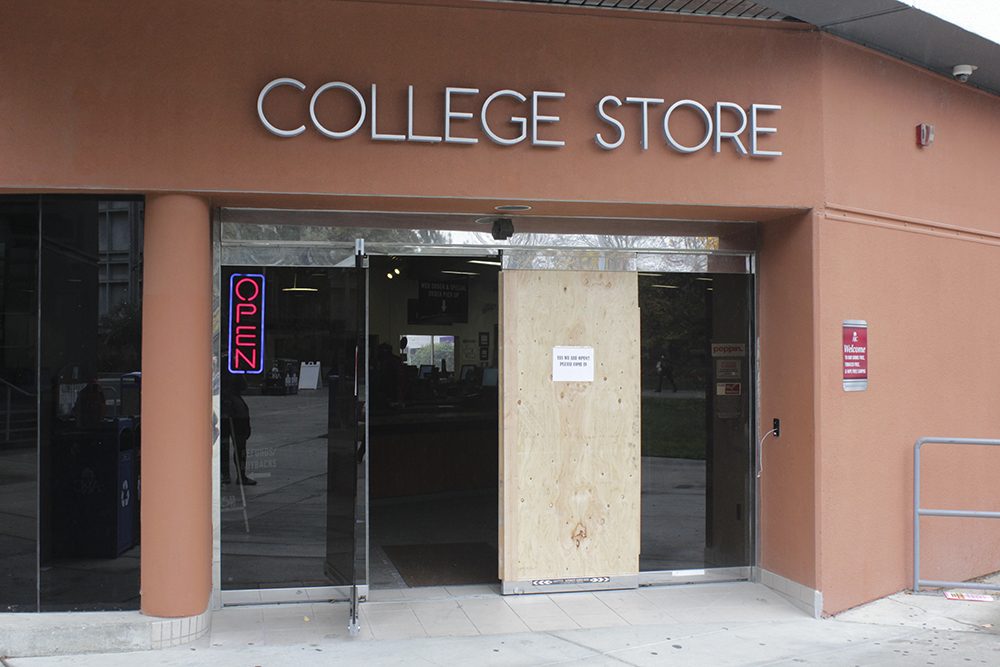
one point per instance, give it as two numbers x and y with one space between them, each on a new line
89 426
288 432
18 403
696 420
71 343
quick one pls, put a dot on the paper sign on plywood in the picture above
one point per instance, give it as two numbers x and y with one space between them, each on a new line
572 364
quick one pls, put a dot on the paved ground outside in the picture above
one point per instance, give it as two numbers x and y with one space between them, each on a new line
713 624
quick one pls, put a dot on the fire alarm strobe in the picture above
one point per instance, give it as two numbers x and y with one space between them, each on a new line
925 135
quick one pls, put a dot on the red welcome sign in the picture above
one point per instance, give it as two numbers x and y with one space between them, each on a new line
246 323
855 352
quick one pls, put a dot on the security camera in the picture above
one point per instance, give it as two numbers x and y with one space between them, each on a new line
963 72
503 229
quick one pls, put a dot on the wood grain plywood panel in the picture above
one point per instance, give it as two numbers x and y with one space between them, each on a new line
570 451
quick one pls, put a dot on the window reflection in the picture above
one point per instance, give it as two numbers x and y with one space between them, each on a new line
18 395
695 420
69 396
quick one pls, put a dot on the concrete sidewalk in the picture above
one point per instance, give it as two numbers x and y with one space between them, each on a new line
714 624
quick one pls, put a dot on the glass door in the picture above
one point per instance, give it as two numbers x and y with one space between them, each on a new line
697 420
293 432
347 447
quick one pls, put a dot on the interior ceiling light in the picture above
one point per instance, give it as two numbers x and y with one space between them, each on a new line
461 273
295 286
487 262
485 220
667 286
649 274
389 275
512 208
396 271
705 279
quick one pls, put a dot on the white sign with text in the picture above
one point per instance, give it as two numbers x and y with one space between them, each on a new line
572 364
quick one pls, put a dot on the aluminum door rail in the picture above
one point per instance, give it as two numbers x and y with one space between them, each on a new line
919 512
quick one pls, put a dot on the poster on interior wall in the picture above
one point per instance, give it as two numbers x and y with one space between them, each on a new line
855 352
440 301
572 364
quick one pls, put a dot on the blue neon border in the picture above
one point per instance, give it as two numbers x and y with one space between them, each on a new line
229 340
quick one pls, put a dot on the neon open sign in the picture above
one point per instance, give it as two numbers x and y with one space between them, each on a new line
246 323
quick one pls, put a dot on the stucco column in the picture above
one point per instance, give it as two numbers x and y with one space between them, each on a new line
176 565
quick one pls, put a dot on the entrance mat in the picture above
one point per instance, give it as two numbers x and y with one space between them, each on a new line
455 564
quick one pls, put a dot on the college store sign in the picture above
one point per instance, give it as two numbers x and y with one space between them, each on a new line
535 118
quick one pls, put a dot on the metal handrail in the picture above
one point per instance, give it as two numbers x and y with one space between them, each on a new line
11 385
919 512
8 386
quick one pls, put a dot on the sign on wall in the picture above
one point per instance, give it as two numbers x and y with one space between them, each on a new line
246 323
572 364
729 349
533 115
855 346
442 302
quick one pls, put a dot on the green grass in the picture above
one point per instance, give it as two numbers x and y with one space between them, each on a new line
673 427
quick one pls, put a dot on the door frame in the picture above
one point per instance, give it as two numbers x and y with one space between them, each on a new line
273 237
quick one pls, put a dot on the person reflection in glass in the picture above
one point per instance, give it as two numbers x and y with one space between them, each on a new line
235 427
663 370
89 407
385 380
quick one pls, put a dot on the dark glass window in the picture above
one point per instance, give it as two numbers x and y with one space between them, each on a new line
80 456
18 404
696 420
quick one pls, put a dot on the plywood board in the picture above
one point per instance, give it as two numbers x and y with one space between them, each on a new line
570 451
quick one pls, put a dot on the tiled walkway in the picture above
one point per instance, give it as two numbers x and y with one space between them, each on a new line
480 610
710 625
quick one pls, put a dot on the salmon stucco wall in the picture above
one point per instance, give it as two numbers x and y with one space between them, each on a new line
908 240
786 311
934 370
168 100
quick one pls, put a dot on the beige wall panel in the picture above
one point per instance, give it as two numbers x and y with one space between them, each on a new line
570 450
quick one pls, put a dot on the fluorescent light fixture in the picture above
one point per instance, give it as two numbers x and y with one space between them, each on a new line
487 262
295 286
708 280
512 208
655 275
461 273
668 286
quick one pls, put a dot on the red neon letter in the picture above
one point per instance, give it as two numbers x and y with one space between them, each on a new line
245 310
239 283
251 361
244 339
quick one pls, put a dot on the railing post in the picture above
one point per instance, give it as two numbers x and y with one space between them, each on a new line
916 514
919 511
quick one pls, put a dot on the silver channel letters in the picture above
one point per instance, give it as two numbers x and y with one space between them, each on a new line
460 112
532 118
727 122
